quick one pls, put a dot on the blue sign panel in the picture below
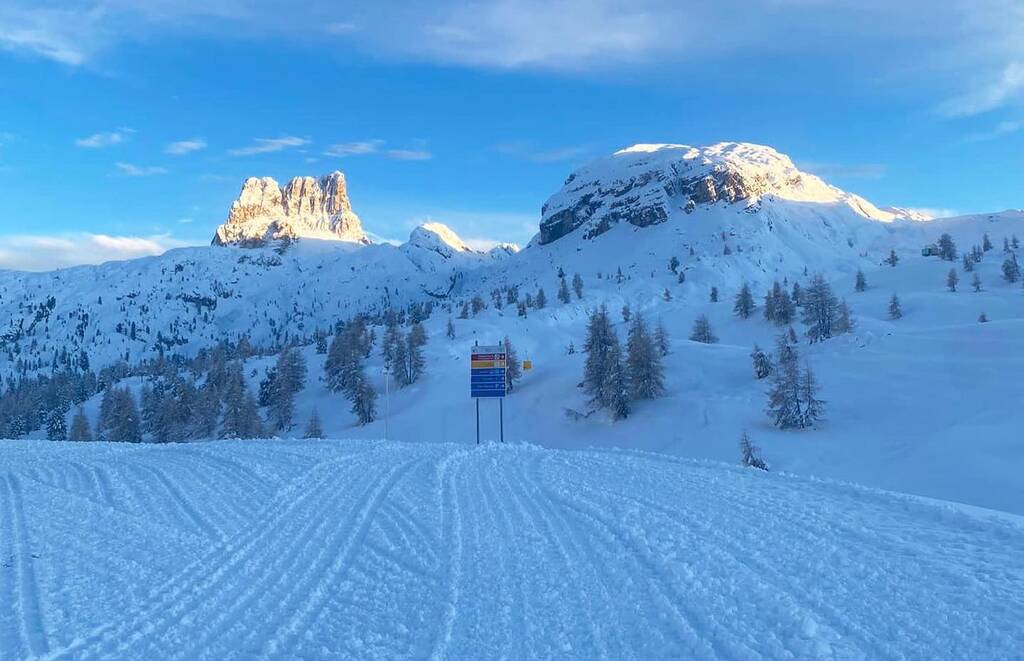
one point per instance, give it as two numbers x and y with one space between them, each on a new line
487 372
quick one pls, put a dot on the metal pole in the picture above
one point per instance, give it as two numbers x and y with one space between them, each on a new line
501 416
387 401
478 421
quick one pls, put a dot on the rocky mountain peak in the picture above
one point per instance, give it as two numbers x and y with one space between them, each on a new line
647 183
305 207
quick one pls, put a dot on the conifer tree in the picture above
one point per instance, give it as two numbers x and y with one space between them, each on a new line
603 375
714 294
820 309
513 368
79 427
952 279
750 454
626 313
762 362
563 291
541 300
644 369
414 359
450 330
947 249
844 320
813 408
577 285
241 417
1011 269
289 379
364 400
666 295
976 282
702 331
862 281
892 259
986 243
784 393
967 262
313 428
661 338
895 309
56 426
744 305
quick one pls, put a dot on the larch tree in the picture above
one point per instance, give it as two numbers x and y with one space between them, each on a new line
702 331
895 309
79 427
513 367
744 305
644 369
820 309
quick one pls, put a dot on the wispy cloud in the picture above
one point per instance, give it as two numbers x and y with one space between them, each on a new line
359 148
409 154
365 147
6 138
530 152
846 171
185 146
268 145
39 252
130 170
989 95
1001 129
104 139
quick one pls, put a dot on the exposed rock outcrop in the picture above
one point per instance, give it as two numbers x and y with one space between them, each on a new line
645 184
305 207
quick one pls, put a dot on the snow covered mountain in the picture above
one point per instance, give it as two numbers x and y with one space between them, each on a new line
305 207
646 185
294 259
654 228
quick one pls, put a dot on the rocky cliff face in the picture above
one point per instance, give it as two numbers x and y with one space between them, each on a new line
305 207
646 184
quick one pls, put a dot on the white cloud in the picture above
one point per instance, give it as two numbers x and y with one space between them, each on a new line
990 95
185 146
28 252
104 139
185 221
353 148
364 147
970 52
862 171
268 145
999 130
409 154
130 170
530 152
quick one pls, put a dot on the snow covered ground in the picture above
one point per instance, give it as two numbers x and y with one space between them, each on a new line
360 549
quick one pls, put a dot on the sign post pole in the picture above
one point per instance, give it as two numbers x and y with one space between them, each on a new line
487 365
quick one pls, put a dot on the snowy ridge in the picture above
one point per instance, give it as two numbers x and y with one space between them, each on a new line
648 184
384 550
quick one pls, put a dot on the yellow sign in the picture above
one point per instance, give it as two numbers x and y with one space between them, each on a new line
527 365
486 364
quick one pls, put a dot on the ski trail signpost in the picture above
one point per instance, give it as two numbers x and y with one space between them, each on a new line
487 380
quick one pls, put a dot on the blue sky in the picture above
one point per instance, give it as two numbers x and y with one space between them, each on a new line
127 127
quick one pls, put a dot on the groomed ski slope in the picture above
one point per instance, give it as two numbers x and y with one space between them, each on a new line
367 550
